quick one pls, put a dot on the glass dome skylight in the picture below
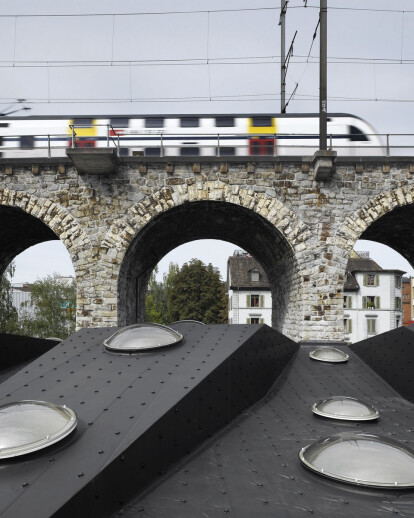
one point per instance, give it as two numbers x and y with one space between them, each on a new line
189 322
329 355
361 459
28 426
142 337
345 408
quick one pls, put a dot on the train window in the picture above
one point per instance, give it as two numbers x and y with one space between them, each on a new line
119 122
190 122
84 122
152 151
123 151
261 121
4 124
154 122
1 141
27 142
356 135
225 122
226 151
190 151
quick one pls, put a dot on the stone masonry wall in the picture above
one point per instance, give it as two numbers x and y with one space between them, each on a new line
316 223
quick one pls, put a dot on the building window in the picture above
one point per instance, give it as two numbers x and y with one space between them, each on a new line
348 325
254 320
370 302
254 275
397 302
398 281
397 322
254 301
347 301
371 326
371 279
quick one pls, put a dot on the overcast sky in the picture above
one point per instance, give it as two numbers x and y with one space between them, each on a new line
221 57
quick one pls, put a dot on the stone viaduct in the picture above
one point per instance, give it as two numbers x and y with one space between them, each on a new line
118 223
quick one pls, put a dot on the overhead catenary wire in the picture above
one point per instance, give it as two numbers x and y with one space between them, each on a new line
223 98
199 11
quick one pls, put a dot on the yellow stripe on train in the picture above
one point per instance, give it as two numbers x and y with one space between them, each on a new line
261 130
90 131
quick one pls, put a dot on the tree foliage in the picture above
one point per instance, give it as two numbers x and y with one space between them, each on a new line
8 313
198 293
53 302
194 292
156 303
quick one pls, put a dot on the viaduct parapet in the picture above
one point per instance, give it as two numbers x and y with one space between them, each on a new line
117 226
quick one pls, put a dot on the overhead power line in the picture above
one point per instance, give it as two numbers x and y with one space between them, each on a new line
199 11
231 60
223 98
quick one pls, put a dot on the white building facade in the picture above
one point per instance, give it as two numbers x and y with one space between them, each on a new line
250 298
372 298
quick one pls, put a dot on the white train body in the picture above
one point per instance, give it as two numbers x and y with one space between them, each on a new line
224 135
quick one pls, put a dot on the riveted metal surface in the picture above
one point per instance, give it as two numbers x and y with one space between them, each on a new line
252 468
137 414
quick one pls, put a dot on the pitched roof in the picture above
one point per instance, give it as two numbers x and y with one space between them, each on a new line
238 273
358 264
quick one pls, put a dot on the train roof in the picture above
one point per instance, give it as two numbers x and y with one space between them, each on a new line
176 116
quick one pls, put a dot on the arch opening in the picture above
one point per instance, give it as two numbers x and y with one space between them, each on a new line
211 220
20 231
378 288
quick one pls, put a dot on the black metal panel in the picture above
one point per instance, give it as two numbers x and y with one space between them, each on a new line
391 355
136 414
15 349
252 468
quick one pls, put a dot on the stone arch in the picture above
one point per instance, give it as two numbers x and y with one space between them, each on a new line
173 216
28 220
388 218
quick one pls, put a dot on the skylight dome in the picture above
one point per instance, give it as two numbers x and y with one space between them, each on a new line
142 337
28 426
188 321
361 459
329 355
346 409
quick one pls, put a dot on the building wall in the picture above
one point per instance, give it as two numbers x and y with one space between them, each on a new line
241 313
386 317
407 296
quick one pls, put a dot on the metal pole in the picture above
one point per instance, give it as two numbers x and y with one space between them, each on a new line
161 146
49 154
283 5
107 135
323 104
218 144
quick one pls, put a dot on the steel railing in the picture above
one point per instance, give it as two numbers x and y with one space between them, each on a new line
167 143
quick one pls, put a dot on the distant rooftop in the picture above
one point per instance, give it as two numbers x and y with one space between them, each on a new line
239 268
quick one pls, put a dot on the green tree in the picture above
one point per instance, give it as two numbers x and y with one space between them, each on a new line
156 302
198 293
8 313
53 301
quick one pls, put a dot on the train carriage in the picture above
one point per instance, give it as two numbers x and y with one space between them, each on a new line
187 135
